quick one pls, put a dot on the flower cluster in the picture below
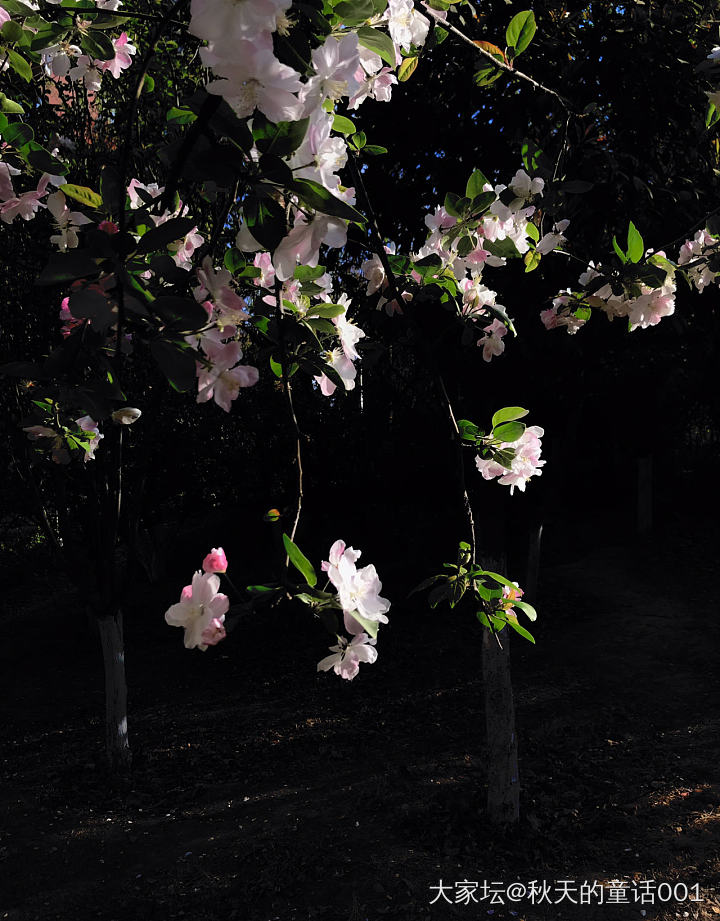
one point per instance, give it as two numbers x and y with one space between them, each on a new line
202 608
363 608
220 374
525 463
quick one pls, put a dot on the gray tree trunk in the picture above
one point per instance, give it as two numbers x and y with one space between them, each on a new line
503 797
117 746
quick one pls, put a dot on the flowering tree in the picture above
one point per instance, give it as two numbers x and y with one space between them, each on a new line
207 260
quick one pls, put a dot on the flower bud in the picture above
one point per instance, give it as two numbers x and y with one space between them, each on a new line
215 561
126 416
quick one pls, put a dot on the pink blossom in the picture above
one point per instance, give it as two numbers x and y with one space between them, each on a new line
492 344
197 609
183 249
525 464
215 561
214 632
263 261
358 589
122 59
89 425
252 79
302 245
25 205
223 379
347 657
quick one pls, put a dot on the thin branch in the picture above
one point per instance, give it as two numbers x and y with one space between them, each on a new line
518 74
467 507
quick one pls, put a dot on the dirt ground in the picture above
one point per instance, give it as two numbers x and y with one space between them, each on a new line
262 791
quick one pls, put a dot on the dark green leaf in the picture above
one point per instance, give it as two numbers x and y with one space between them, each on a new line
176 363
12 32
521 630
354 12
98 45
18 63
379 42
319 198
178 116
182 313
620 254
62 267
281 139
159 237
43 160
18 134
509 432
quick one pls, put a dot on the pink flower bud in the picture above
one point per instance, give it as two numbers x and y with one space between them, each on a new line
186 593
108 227
215 561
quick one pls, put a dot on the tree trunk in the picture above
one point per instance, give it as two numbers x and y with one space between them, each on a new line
503 797
117 746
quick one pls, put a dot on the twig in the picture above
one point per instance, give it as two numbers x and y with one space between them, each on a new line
467 507
501 65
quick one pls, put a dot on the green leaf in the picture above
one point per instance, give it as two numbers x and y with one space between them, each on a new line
521 630
178 116
354 12
265 219
532 260
532 231
481 203
498 578
509 432
16 8
62 267
308 273
359 140
426 583
503 248
113 195
452 204
82 194
18 134
10 106
519 33
184 314
468 430
176 363
326 311
620 254
233 260
281 139
300 561
635 245
407 69
343 125
319 198
475 183
486 76
43 160
86 303
379 42
276 367
375 150
98 45
369 626
148 84
12 32
531 155
526 608
508 414
18 63
159 237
